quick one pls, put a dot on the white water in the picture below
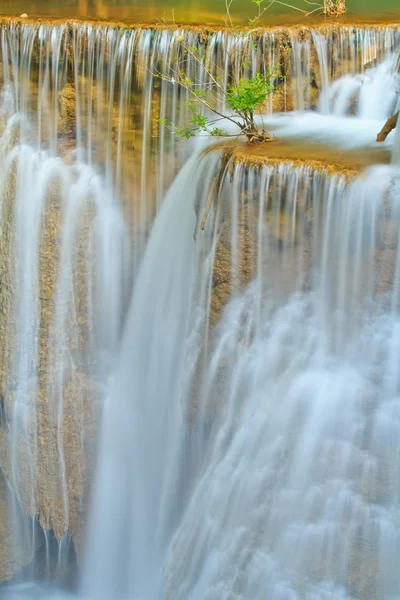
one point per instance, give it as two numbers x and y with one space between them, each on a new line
299 495
143 424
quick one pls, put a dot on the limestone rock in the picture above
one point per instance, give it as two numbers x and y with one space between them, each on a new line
52 415
15 552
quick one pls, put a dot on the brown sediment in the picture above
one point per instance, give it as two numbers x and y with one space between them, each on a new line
316 156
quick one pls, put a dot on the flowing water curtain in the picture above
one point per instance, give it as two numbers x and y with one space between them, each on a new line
62 242
322 57
34 65
99 89
277 413
298 492
138 489
62 323
59 335
304 62
153 527
62 268
373 93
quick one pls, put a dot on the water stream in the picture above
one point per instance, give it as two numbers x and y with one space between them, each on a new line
205 414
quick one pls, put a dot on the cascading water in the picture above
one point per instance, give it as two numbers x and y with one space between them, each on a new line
144 431
245 452
298 497
371 95
292 410
356 95
63 243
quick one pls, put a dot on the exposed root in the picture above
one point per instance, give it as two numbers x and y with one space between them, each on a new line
259 138
215 188
209 201
387 128
255 135
334 8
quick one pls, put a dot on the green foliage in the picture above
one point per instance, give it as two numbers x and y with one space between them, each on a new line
243 98
198 120
208 93
198 123
249 94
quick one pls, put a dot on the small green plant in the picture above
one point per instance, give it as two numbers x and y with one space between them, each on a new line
240 102
215 96
211 102
248 94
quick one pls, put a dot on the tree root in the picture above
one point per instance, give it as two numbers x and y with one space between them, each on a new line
387 128
209 201
259 138
215 187
334 8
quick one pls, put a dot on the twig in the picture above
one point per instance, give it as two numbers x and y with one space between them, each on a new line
208 205
387 128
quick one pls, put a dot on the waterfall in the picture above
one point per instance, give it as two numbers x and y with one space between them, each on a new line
195 413
350 79
370 91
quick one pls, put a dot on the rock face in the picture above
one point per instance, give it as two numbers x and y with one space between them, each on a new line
15 551
233 267
53 467
49 403
286 229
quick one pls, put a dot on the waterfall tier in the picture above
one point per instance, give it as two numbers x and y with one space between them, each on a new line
264 435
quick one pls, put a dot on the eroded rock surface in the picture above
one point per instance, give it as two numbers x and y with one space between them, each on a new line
15 551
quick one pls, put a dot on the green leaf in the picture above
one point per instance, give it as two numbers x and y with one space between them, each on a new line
215 131
249 94
199 120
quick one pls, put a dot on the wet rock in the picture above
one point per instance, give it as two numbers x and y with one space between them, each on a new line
67 112
15 550
51 418
233 268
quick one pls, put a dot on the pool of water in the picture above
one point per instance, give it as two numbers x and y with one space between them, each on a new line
190 11
34 591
